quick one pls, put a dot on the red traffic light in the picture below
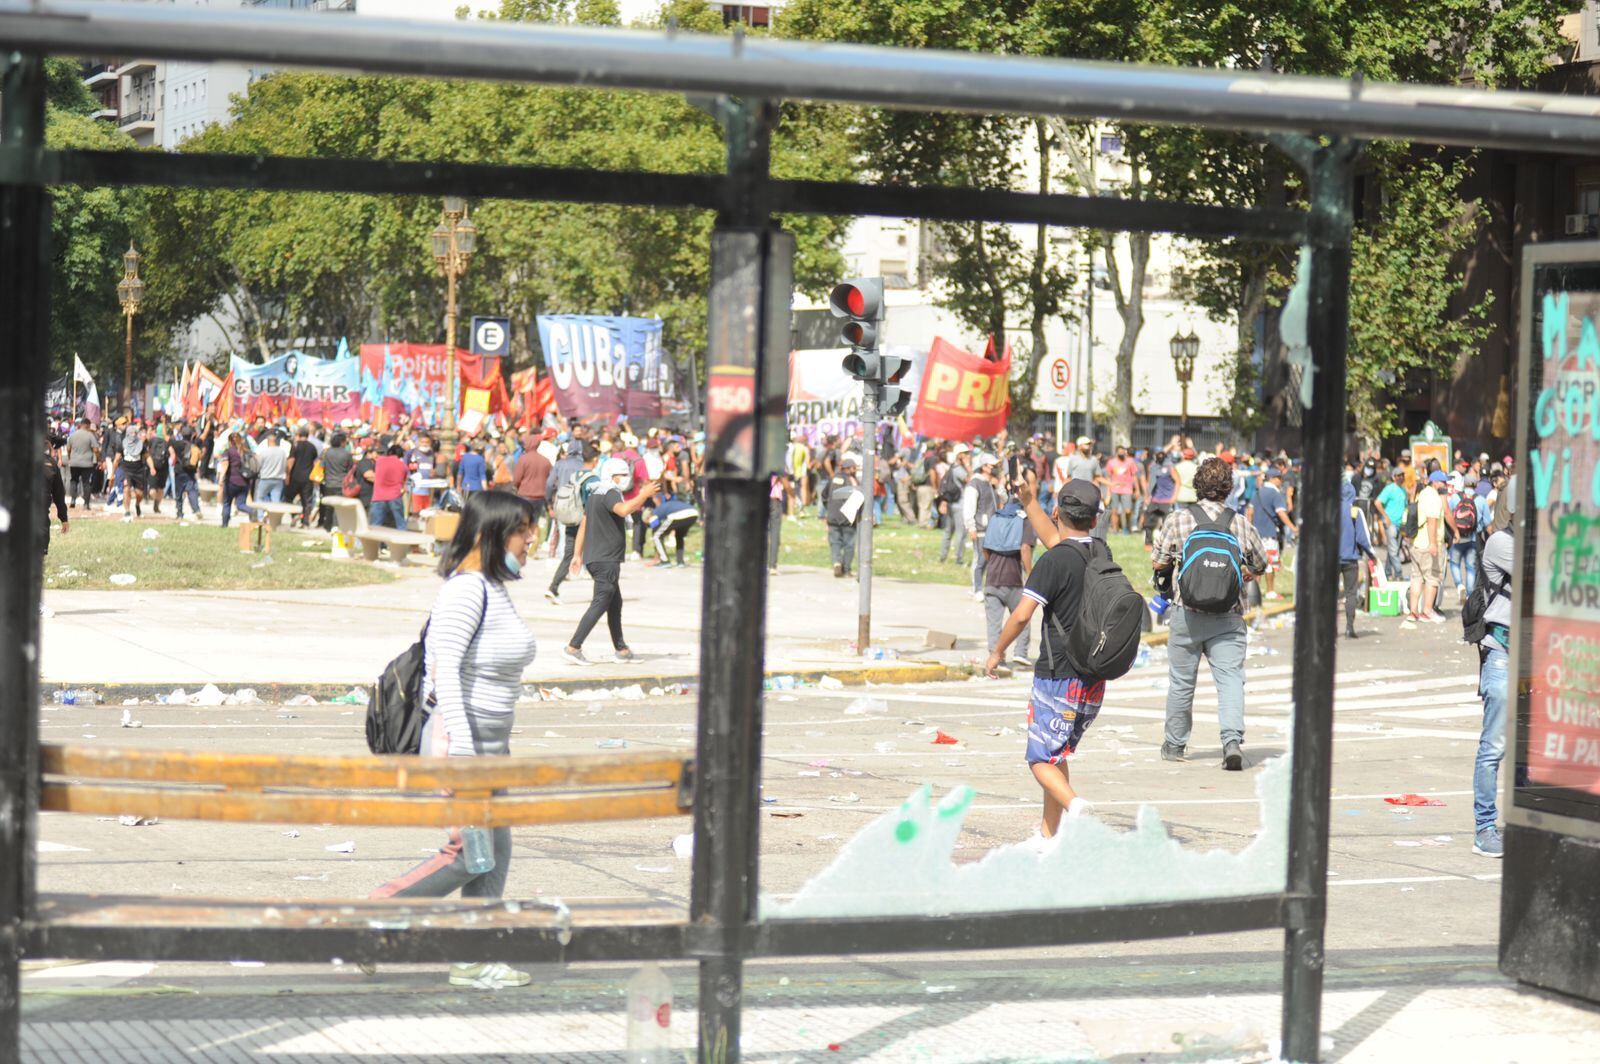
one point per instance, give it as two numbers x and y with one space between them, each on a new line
861 297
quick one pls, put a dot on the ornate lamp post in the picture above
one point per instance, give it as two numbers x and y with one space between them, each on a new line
454 240
1184 350
130 293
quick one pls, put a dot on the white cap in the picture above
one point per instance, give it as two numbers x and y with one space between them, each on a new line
985 459
960 448
1082 440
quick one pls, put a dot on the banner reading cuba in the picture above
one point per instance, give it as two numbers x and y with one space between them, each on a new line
298 386
602 364
963 395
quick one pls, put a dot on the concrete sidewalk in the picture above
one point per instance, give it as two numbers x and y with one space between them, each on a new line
344 636
1214 1004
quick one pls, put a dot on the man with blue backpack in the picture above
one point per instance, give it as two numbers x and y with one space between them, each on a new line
1212 553
1007 550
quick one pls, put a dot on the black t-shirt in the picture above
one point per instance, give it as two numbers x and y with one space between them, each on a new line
367 465
1056 583
604 534
305 460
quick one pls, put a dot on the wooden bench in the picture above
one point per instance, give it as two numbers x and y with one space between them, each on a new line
369 792
400 544
210 492
268 788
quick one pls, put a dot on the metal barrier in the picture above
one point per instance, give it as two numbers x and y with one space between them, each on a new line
749 313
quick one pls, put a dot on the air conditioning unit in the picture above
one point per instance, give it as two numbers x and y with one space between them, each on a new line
1583 224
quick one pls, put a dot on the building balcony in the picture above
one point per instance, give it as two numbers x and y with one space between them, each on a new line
106 114
137 122
99 74
136 66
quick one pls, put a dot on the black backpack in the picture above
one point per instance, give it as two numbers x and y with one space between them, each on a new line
1473 626
1105 636
950 487
1209 576
396 706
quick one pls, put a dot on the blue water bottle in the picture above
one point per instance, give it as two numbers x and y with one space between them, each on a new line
477 848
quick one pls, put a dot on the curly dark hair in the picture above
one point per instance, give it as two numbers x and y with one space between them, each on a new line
1213 480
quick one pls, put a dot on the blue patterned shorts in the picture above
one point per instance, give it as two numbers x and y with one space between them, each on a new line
1059 712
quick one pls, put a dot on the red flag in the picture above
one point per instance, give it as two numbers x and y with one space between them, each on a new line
963 396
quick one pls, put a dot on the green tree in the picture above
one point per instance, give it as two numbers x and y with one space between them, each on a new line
988 275
89 230
307 269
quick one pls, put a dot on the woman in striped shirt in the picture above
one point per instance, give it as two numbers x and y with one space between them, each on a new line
475 650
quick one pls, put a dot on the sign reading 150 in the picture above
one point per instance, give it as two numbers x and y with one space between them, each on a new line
739 398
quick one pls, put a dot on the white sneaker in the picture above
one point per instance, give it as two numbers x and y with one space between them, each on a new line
1020 661
492 976
636 557
1036 843
977 596
573 657
553 596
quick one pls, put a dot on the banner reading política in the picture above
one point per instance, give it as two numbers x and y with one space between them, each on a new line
824 400
963 395
297 385
603 365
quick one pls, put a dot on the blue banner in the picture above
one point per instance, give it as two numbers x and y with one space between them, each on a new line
601 364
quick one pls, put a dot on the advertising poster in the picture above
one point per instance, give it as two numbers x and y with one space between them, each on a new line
1559 709
604 365
297 386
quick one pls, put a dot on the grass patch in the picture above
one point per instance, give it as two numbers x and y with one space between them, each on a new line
907 553
197 558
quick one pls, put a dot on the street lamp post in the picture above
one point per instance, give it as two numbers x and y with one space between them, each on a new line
1184 350
454 240
130 293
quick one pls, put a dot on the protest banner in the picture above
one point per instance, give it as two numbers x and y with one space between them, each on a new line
963 395
824 400
297 385
603 365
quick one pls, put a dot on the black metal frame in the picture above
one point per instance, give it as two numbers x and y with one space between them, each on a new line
723 929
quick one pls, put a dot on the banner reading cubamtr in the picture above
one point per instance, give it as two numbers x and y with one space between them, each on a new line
1562 712
297 386
963 395
603 365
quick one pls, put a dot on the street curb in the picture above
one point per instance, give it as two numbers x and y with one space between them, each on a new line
1159 639
273 692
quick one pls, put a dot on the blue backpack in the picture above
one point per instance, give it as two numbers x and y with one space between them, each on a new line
1210 577
1004 533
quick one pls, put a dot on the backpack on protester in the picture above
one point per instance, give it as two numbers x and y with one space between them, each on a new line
1105 636
1473 625
397 707
351 486
1466 516
950 488
1408 526
1004 533
1210 576
919 473
251 464
570 500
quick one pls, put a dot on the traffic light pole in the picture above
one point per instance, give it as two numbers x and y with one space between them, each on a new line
869 483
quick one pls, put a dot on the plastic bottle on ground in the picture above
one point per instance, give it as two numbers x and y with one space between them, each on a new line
649 1017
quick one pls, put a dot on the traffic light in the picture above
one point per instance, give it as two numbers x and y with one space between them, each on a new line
893 399
860 302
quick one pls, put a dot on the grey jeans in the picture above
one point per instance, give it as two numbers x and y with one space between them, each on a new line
1220 639
998 604
842 545
446 871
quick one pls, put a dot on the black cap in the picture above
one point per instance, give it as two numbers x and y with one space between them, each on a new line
1079 499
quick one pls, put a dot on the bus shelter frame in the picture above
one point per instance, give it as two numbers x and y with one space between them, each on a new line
1319 123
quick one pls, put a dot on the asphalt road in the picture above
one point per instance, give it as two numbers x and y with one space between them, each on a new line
1411 906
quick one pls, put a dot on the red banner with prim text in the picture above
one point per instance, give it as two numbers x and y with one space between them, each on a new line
963 395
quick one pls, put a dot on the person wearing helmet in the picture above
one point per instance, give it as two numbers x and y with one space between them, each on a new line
842 502
601 546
